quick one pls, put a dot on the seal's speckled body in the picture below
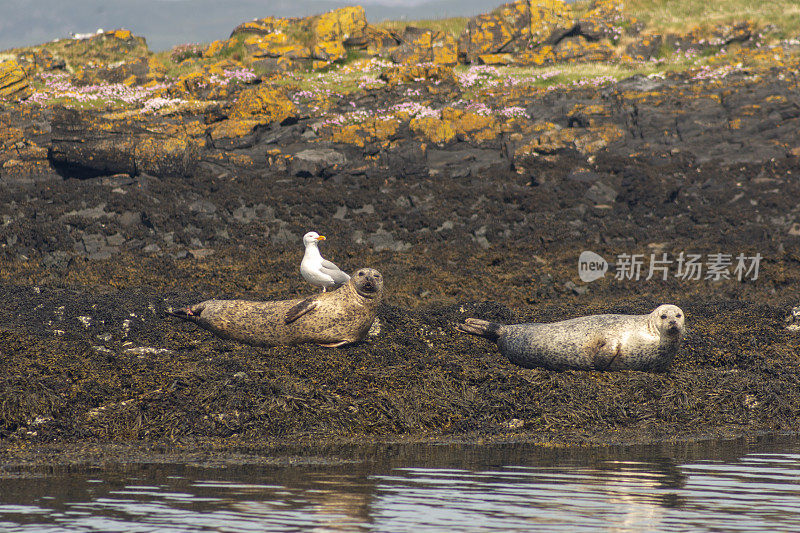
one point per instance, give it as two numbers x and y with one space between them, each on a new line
330 319
597 342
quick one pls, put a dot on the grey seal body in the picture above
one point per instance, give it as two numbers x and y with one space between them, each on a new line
330 319
598 342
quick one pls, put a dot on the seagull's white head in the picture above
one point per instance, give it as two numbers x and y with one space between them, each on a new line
312 237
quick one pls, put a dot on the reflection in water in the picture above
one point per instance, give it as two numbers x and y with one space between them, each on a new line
731 487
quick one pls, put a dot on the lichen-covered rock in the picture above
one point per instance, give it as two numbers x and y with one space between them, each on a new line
13 82
280 44
738 32
328 51
169 152
513 27
605 19
374 41
372 130
102 48
264 26
495 59
644 48
426 46
264 102
552 139
216 81
39 60
453 123
338 25
24 137
139 71
699 38
579 50
275 45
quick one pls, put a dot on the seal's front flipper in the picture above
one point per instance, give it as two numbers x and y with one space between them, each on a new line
298 310
333 344
481 328
187 313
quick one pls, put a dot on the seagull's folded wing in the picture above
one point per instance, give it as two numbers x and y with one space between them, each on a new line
334 272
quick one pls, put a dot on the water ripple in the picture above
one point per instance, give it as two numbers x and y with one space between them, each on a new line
434 490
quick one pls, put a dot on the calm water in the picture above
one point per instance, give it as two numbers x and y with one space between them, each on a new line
739 486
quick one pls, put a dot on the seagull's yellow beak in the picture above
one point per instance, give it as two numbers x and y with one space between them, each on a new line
321 238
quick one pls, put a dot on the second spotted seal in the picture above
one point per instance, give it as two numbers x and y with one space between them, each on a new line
597 342
330 319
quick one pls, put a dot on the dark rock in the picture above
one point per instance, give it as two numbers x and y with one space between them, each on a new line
86 145
317 161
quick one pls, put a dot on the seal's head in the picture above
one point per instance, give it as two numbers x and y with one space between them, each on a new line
368 282
312 237
667 320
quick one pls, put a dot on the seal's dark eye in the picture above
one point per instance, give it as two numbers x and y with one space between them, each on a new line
678 315
377 276
663 317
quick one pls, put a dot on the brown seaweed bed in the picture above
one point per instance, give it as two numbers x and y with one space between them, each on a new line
88 266
125 372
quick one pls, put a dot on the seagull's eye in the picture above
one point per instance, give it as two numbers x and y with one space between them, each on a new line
361 274
663 317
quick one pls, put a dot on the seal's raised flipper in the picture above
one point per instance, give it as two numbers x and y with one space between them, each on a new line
298 310
481 328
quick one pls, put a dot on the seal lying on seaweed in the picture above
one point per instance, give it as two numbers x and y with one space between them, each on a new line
329 319
596 342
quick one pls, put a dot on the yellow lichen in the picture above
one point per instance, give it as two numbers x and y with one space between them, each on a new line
263 101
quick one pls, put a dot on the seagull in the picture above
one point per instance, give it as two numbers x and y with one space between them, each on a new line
316 270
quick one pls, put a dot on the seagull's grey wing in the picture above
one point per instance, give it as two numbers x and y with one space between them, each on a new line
330 266
335 272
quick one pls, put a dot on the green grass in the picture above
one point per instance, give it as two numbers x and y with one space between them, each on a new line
666 15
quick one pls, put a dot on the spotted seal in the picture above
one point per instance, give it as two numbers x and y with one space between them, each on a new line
329 319
597 342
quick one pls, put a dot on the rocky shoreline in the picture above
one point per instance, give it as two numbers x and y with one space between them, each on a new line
472 192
